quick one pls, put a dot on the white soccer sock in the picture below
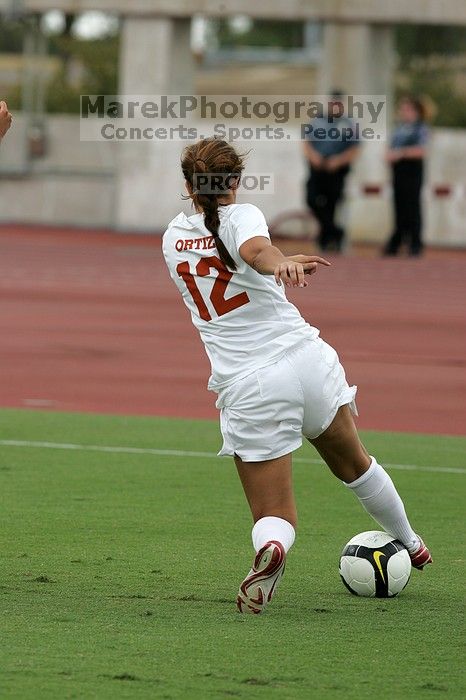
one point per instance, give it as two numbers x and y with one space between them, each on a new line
378 495
272 528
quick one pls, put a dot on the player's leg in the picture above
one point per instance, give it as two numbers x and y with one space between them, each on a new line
261 423
342 450
269 491
268 487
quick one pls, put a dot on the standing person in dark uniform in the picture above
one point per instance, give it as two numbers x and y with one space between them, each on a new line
329 161
406 157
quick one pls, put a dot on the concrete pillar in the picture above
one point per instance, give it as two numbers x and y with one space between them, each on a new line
358 58
312 35
155 59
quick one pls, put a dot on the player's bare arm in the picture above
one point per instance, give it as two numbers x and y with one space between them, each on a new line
267 259
5 119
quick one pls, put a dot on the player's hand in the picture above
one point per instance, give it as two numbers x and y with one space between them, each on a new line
292 271
309 262
5 119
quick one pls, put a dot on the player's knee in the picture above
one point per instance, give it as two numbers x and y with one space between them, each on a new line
351 467
358 467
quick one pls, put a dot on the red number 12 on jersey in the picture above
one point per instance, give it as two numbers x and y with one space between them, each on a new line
217 296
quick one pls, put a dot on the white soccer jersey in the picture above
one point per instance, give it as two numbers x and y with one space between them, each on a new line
244 318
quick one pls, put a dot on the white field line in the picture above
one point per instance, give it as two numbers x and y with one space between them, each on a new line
186 453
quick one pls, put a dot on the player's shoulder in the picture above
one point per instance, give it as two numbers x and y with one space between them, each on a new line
178 228
179 224
245 211
179 221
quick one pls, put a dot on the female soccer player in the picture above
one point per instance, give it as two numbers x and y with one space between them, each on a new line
275 378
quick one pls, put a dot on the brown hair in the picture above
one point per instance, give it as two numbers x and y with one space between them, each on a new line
212 157
419 104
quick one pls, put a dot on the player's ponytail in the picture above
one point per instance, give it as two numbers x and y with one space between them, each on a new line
209 205
208 167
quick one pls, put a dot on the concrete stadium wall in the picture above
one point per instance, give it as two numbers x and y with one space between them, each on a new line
428 11
77 183
74 184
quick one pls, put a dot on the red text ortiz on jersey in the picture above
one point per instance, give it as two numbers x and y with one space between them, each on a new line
195 243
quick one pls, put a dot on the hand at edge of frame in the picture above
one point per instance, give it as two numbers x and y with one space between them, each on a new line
5 119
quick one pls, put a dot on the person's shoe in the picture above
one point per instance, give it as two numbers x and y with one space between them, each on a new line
420 557
261 583
390 250
415 253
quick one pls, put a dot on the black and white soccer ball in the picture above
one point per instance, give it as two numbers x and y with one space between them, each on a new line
375 565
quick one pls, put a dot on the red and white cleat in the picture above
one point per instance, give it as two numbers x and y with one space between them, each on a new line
261 583
420 557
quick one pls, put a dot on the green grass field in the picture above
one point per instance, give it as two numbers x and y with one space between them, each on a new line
119 571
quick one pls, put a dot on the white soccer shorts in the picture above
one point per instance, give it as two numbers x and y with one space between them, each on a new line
265 415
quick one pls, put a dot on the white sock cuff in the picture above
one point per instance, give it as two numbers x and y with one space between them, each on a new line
273 528
367 475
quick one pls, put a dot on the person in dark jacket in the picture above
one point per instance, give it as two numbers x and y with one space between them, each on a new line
406 156
329 162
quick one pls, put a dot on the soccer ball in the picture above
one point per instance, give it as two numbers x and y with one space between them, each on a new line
375 565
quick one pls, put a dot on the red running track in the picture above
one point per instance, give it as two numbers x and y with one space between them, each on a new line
92 322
